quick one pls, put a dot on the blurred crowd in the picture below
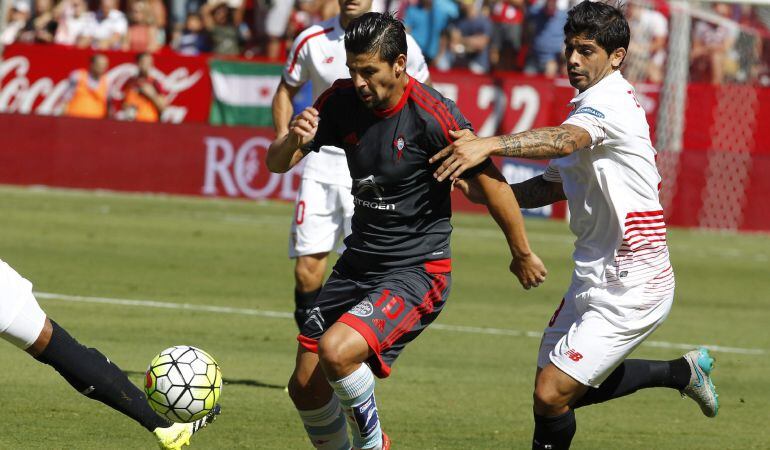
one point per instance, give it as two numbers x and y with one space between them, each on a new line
477 35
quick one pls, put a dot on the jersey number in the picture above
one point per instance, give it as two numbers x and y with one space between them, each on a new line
392 308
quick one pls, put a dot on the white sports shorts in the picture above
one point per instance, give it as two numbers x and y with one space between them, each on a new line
594 330
21 319
321 218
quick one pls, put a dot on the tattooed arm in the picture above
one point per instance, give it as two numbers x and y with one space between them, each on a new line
540 143
543 143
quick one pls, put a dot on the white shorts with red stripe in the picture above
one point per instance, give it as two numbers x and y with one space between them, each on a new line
321 218
595 329
21 319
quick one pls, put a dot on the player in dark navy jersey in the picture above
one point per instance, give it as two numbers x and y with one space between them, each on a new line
394 277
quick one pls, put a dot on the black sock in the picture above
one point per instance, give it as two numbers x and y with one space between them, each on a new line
635 374
303 302
554 433
94 376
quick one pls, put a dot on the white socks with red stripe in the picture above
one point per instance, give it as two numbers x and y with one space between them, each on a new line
356 393
326 426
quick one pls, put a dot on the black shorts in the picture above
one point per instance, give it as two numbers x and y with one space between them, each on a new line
388 311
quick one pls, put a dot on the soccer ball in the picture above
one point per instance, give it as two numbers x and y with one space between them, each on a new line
183 383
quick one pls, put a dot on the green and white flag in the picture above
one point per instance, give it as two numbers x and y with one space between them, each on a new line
242 92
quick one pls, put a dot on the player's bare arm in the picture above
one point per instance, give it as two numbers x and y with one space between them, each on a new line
502 206
540 143
288 150
283 108
533 193
538 192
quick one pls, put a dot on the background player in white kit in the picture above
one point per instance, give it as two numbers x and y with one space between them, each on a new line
623 285
324 203
25 325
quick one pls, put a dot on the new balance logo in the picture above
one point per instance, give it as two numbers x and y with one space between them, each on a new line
574 355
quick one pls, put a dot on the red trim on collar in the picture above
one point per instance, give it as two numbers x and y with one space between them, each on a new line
400 105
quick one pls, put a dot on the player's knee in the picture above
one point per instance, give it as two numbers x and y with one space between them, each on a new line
335 359
307 277
548 400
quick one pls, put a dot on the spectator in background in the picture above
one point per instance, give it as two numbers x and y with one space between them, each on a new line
507 29
306 13
143 96
88 91
469 37
547 19
647 49
142 35
193 39
276 23
110 28
42 27
218 20
17 20
712 43
426 21
181 9
157 11
75 23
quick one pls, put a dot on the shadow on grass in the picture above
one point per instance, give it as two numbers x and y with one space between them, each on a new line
227 381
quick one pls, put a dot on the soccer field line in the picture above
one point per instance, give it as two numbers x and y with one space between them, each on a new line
287 315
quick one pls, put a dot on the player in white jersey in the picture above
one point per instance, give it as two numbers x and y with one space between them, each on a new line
25 325
324 204
622 289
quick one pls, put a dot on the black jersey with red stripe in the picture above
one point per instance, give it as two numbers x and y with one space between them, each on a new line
402 214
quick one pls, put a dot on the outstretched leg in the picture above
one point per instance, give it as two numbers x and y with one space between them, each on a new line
635 374
690 374
93 375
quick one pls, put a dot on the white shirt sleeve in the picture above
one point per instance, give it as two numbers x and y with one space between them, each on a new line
591 119
416 66
295 72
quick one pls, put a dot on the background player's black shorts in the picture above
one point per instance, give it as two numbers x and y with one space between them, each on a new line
388 311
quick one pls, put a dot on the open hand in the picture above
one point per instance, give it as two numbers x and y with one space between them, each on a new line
465 152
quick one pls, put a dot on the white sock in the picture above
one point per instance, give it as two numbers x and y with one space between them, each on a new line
326 426
356 393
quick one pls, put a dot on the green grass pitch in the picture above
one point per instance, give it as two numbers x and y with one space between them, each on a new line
454 388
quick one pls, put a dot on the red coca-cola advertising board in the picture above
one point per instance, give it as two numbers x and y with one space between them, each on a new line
189 159
34 80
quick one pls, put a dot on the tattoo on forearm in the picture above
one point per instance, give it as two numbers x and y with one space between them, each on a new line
541 143
537 192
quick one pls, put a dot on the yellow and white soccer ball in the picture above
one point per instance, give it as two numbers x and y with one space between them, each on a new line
183 383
